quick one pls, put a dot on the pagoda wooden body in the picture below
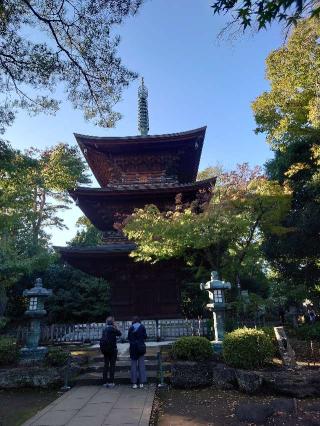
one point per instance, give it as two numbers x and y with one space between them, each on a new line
133 172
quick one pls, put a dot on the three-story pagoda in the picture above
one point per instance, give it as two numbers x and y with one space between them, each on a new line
132 172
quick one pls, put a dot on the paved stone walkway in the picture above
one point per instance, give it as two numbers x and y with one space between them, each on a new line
97 406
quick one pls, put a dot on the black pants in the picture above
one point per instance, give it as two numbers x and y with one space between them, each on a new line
110 359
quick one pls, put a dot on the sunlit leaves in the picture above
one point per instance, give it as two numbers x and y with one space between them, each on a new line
243 204
291 107
262 13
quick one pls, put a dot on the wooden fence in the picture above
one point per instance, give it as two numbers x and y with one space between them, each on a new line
82 333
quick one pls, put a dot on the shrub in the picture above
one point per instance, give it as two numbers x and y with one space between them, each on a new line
309 331
8 351
269 331
3 322
57 357
192 348
247 348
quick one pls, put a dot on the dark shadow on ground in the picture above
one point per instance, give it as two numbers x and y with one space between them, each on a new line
17 406
216 407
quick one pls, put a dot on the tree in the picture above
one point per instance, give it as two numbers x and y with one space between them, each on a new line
295 255
289 116
211 171
291 108
251 12
33 189
33 192
226 236
77 297
88 235
78 49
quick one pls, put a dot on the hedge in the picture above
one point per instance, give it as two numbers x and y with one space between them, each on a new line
9 352
248 348
192 348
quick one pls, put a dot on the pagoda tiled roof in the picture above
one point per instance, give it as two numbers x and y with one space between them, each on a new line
145 187
119 159
114 141
102 249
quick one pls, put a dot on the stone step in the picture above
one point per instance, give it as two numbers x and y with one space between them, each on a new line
126 365
99 358
120 377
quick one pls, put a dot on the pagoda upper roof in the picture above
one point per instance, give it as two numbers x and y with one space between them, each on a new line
145 158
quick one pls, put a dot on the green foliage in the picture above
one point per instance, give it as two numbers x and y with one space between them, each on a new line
261 14
77 297
3 323
294 255
88 235
192 348
8 351
211 171
247 348
289 116
224 236
193 300
33 189
291 107
71 43
57 357
309 331
248 307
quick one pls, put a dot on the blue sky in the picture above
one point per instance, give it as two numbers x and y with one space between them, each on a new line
193 78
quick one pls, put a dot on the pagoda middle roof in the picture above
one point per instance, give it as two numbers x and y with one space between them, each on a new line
144 187
105 155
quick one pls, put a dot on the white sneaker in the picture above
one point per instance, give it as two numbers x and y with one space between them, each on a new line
141 385
110 385
134 386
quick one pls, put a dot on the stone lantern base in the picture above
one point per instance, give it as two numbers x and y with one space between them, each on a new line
30 355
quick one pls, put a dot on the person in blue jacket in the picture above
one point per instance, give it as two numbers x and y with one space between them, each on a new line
137 335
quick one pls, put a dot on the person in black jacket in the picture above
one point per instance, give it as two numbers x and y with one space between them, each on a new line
137 335
108 346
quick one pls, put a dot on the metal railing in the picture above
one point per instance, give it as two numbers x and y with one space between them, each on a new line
85 333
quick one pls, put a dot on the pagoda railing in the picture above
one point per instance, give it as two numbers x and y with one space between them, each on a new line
91 333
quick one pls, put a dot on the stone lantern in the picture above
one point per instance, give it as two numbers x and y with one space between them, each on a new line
35 311
216 289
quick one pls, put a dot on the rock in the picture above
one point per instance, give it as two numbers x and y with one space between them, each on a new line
224 377
249 381
254 413
35 377
297 383
283 405
185 374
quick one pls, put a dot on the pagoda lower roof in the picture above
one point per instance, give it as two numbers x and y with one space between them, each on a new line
157 187
105 249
